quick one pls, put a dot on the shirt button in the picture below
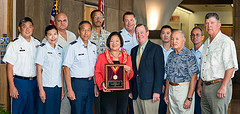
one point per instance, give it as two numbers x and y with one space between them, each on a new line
203 69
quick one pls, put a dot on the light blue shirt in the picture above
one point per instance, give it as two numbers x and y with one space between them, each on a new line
198 56
51 61
166 53
80 59
129 41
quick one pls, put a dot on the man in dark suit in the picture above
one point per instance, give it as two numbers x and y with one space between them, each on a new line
148 66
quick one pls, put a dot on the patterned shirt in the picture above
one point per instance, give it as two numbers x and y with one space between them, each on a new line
182 66
100 42
217 57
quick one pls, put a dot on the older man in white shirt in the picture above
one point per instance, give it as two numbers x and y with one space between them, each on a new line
218 64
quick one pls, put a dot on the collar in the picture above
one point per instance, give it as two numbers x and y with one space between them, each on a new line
49 46
124 31
144 45
215 39
23 40
182 51
170 49
199 49
81 42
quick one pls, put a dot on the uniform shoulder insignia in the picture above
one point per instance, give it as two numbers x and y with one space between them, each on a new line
93 43
42 45
120 32
73 42
15 39
60 46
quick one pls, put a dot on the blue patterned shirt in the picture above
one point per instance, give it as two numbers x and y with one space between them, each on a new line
182 66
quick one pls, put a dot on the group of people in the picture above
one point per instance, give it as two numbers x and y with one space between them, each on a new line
66 74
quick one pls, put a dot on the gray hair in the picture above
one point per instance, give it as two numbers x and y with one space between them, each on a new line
215 15
180 32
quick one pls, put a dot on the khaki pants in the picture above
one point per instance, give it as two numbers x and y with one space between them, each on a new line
177 96
145 106
210 103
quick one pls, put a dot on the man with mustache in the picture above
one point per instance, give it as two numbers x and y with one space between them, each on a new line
197 37
99 37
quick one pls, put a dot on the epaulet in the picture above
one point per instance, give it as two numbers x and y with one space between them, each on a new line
93 43
42 45
73 42
60 46
120 32
15 39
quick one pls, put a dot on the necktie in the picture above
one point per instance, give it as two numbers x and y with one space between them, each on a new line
139 56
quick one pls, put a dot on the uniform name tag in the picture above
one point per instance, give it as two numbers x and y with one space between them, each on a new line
127 41
80 54
22 50
49 52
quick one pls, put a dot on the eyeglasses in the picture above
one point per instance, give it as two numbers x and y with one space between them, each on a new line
96 17
193 35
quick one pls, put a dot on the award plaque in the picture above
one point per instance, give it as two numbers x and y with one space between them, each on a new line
115 77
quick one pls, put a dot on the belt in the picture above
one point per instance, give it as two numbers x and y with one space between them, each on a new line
24 78
90 78
212 82
176 84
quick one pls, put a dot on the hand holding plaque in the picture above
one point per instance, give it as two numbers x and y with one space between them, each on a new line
115 77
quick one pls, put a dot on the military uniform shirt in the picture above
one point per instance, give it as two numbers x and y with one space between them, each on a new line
80 59
198 56
182 66
51 61
129 41
21 54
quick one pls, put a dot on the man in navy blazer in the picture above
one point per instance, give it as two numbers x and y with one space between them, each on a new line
146 85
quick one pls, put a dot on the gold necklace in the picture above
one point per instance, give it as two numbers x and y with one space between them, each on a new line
115 56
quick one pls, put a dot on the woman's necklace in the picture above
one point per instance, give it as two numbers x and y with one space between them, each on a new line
116 56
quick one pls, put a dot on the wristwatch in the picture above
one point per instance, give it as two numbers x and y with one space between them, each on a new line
190 99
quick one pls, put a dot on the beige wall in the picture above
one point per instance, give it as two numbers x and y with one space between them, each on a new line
40 11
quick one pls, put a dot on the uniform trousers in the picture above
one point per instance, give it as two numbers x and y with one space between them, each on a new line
145 106
114 102
210 103
84 93
176 99
162 106
26 101
52 102
197 109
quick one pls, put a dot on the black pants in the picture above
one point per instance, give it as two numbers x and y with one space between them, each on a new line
115 102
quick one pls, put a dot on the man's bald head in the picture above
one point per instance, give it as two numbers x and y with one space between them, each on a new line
61 21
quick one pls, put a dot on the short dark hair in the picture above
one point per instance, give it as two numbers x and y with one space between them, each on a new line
199 29
25 19
145 26
50 27
110 37
94 12
166 26
215 15
128 13
83 22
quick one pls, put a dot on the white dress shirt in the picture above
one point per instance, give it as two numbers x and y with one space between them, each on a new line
21 54
51 61
217 57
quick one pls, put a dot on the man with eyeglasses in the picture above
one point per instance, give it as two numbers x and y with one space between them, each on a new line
197 37
99 37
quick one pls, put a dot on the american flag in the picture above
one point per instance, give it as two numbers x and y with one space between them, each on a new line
54 12
101 8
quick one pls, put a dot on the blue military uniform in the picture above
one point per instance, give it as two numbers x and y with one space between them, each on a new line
51 61
81 60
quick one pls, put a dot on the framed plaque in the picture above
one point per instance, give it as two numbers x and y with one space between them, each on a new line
115 77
